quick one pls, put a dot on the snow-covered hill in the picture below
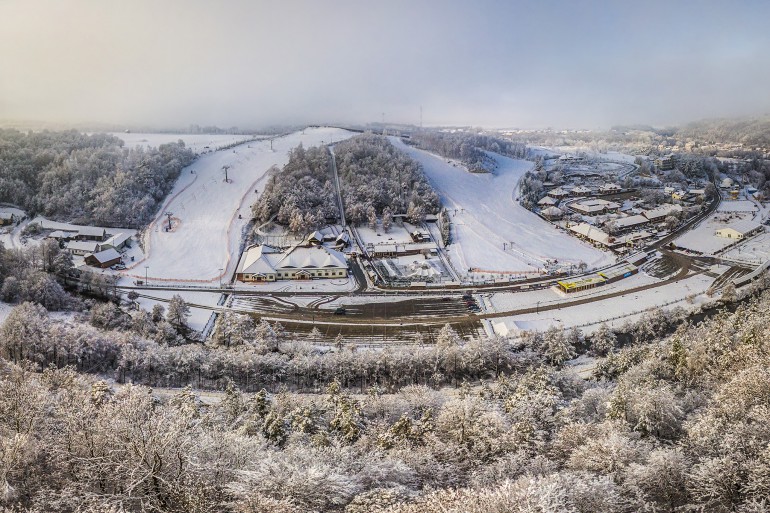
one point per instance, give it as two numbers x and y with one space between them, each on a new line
206 232
488 216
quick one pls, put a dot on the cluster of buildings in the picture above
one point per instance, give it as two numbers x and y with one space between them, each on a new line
95 245
627 230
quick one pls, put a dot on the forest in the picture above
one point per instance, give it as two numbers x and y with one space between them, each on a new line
87 179
300 196
675 417
469 148
375 179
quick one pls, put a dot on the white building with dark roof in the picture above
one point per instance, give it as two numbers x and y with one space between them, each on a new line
265 263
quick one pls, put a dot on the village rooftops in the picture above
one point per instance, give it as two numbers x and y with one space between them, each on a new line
591 232
91 231
630 221
662 212
104 257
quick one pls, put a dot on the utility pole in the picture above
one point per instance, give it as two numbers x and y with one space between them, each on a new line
146 279
169 214
225 168
220 277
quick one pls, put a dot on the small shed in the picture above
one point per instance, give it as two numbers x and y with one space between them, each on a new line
6 218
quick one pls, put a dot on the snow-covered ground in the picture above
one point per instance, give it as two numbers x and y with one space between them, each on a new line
198 316
196 142
737 206
615 311
504 301
207 231
703 237
485 215
755 250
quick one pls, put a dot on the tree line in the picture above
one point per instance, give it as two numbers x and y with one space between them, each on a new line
87 179
469 148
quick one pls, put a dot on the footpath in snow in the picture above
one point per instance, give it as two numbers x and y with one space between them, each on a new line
206 236
488 216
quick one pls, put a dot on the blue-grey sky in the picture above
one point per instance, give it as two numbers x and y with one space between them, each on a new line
533 64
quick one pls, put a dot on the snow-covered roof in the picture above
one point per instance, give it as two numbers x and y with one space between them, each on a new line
252 262
61 234
547 201
610 187
261 259
6 216
117 239
559 191
580 189
551 212
591 232
743 227
300 257
625 222
316 235
105 256
77 245
343 237
661 211
91 231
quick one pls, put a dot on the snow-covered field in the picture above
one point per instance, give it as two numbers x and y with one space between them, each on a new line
616 311
206 234
703 239
196 142
756 250
484 216
737 206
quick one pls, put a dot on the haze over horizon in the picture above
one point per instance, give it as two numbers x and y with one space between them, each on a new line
487 63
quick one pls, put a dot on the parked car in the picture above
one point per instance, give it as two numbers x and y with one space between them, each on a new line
340 311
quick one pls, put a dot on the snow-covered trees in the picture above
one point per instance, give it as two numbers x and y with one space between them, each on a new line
90 179
178 312
301 195
375 176
467 147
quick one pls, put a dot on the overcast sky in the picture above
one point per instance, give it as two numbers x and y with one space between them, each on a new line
570 63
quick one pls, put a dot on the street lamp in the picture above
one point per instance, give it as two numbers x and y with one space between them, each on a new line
220 277
146 279
537 310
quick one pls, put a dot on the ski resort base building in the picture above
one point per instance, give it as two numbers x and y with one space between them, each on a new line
265 263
